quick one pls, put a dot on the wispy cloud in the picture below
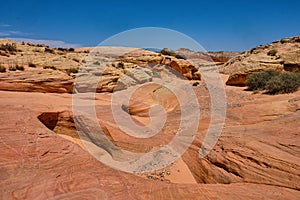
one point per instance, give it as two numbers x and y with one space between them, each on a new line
5 25
51 43
11 33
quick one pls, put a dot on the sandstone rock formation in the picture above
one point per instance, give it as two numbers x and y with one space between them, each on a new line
279 56
45 80
217 57
132 66
257 155
184 67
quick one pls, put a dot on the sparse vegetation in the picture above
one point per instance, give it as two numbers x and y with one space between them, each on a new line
49 50
168 52
283 83
121 65
21 68
273 82
272 52
96 63
12 68
49 67
180 57
72 70
196 83
3 53
62 49
9 47
2 69
32 65
66 49
257 81
37 50
76 60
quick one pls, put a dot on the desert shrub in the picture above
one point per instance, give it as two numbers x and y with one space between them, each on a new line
283 83
76 60
272 52
18 67
96 62
3 53
274 82
196 83
2 69
49 67
71 49
37 50
49 50
12 68
178 56
121 65
9 47
258 80
32 65
72 70
86 51
168 52
62 49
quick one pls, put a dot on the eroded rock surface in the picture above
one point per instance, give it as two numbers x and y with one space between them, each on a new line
278 56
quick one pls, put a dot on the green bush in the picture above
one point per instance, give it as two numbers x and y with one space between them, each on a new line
283 83
2 69
21 68
258 80
167 52
272 52
273 82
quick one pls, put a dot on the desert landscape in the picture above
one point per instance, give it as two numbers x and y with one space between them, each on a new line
44 155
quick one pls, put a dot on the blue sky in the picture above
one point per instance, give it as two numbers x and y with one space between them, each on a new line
216 25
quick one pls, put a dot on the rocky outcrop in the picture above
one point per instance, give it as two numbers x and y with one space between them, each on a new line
36 81
217 57
115 77
184 67
279 56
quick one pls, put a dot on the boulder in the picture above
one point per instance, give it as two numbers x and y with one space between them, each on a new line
140 75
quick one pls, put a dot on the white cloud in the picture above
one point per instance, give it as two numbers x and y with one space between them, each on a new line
51 43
